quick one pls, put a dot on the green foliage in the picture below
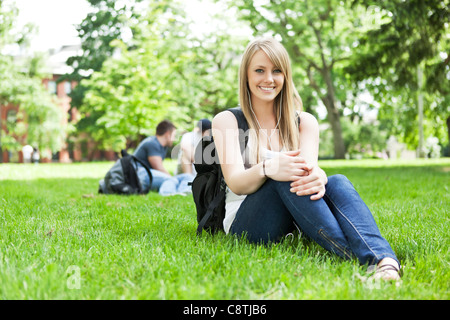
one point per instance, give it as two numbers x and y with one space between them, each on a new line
340 50
411 34
109 21
343 49
146 65
363 139
145 247
130 94
319 36
165 73
39 117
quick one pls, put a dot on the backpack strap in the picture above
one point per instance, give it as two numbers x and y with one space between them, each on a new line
124 153
242 125
129 174
239 114
147 169
298 118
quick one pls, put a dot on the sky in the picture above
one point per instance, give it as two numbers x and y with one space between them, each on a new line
55 19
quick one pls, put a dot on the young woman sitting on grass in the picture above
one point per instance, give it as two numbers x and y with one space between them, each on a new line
279 184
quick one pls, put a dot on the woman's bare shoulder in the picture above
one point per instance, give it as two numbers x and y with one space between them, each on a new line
306 116
224 119
307 120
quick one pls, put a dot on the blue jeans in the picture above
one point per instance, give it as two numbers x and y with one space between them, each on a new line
340 222
163 182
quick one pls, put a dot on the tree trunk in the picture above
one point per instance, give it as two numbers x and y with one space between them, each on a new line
1 127
333 116
448 131
420 152
335 121
329 100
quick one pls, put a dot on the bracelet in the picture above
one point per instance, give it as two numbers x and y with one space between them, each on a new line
264 168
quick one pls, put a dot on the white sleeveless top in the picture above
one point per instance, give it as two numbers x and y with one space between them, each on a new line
234 201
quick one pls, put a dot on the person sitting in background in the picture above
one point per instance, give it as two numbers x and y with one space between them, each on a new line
152 151
26 152
188 143
35 155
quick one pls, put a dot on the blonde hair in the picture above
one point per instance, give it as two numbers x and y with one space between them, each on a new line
291 102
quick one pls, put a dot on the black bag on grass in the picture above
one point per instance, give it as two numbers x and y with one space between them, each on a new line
122 177
209 187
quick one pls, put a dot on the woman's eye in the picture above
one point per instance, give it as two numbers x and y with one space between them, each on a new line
259 70
277 71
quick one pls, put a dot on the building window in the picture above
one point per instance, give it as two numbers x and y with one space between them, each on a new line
67 87
11 116
51 87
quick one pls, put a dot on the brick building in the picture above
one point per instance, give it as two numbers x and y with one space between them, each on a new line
80 148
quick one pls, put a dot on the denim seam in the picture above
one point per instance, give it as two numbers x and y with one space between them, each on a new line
335 244
345 217
323 236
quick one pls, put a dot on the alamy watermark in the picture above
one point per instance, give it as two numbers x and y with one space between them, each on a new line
74 279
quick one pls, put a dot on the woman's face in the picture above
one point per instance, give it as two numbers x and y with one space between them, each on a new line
264 79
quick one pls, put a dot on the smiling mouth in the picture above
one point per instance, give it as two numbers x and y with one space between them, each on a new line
267 89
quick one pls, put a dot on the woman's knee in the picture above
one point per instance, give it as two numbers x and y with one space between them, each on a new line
278 184
338 179
338 182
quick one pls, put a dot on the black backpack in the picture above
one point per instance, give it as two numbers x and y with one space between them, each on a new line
122 177
208 186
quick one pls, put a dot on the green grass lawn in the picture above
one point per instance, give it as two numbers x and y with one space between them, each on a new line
59 239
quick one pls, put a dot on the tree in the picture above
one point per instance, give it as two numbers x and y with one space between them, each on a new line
412 39
130 95
109 20
214 71
319 36
39 117
165 73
